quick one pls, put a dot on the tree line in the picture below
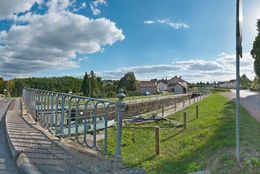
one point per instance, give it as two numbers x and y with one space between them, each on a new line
91 85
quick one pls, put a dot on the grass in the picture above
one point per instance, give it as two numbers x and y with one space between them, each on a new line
208 143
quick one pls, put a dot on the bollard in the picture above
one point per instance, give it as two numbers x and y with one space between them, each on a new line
120 105
197 111
175 103
184 120
157 140
189 100
183 103
194 99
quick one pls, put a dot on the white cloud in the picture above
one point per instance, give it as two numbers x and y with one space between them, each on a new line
173 25
219 68
51 41
9 7
149 22
94 6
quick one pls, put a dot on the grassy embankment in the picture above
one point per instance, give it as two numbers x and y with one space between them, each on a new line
208 143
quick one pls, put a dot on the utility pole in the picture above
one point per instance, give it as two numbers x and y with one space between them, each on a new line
238 56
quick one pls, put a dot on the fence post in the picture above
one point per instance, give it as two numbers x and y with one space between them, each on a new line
120 106
184 120
162 110
175 103
183 102
157 140
197 111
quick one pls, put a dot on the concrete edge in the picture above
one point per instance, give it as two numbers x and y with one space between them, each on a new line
22 161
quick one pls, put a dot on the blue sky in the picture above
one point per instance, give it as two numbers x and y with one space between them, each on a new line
154 39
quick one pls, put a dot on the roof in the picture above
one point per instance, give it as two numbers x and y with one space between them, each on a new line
148 84
232 80
179 79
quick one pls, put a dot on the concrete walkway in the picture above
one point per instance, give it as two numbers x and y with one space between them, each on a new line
36 153
250 100
7 162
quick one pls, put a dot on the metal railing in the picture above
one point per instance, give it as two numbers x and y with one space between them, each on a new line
77 117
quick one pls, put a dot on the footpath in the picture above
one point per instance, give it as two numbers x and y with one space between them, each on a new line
35 152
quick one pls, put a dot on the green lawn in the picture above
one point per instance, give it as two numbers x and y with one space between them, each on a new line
207 143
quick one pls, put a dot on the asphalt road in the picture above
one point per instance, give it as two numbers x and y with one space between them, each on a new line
251 101
7 164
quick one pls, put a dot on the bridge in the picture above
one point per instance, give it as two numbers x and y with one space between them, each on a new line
50 132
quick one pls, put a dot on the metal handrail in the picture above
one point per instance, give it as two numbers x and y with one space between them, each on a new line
73 116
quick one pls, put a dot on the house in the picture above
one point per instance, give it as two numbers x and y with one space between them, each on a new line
227 84
177 85
231 84
148 86
162 86
222 84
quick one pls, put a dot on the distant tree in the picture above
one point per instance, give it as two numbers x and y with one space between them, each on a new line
2 85
85 85
10 87
255 52
245 82
255 83
128 82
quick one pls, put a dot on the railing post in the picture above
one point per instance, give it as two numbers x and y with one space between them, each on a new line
197 111
120 106
62 116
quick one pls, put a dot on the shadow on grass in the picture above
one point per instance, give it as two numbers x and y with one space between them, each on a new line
172 136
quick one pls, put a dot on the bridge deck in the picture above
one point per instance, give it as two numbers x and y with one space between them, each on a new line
45 154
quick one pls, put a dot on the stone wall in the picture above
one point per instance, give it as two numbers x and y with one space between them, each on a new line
138 108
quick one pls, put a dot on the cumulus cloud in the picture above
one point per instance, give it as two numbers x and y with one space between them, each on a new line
51 41
220 68
173 25
10 7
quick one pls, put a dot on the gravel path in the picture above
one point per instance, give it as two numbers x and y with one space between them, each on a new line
7 163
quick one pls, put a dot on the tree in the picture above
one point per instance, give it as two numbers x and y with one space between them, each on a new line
245 82
10 87
91 85
255 52
2 85
128 82
85 85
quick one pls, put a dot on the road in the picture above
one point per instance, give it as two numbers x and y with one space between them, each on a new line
251 101
7 164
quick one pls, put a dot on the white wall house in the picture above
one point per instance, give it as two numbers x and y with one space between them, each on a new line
161 86
177 85
232 84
